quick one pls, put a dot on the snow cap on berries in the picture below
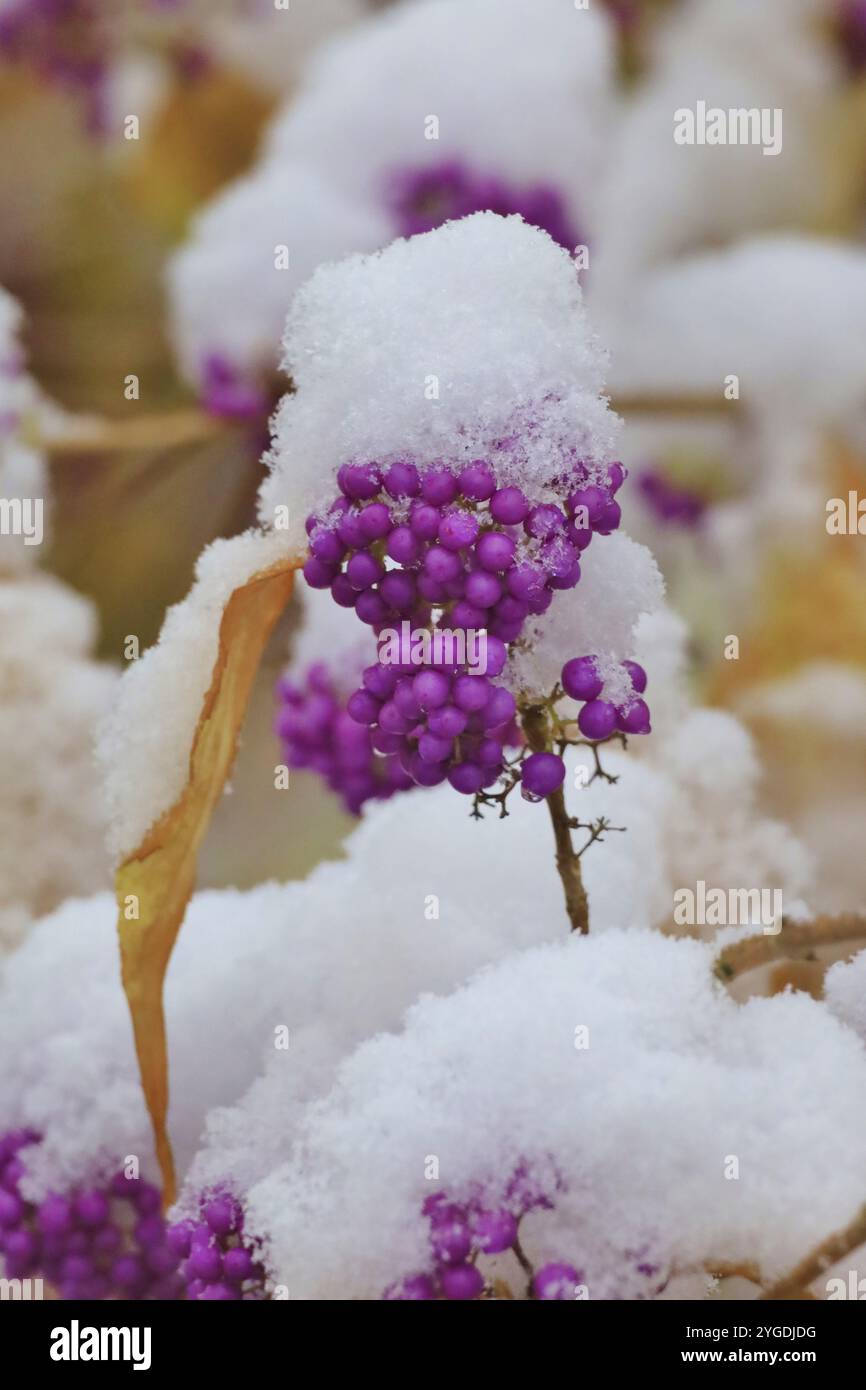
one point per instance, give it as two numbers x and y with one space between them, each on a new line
231 283
503 97
421 353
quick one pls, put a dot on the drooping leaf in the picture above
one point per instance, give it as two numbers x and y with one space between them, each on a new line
159 875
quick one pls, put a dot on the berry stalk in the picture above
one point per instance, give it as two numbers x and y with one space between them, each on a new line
536 728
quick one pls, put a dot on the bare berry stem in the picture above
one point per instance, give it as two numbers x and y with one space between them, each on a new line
536 728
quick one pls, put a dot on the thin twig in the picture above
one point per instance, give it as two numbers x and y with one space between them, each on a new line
535 727
795 940
831 1250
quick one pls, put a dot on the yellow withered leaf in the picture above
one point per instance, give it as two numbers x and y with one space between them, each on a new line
160 874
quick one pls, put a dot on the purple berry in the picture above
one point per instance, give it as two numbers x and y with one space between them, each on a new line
402 546
458 530
461 1282
637 675
580 678
494 1231
432 688
556 1281
483 589
477 481
597 720
363 707
495 551
634 718
438 487
467 778
402 480
541 774
415 1287
509 506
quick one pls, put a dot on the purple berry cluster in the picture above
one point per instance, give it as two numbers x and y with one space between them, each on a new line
582 679
671 504
463 1233
216 1263
107 1241
226 393
450 551
422 199
319 735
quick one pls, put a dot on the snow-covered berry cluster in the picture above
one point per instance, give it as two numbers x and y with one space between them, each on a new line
463 1235
217 1264
421 198
449 550
105 1241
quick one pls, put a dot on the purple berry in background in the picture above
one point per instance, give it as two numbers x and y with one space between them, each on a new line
580 678
461 1281
557 1282
542 773
597 720
420 198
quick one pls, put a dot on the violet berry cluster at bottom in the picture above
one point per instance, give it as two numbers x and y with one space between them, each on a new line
95 1242
216 1262
445 726
462 1233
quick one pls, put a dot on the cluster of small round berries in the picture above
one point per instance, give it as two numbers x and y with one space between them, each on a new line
319 734
463 1233
460 1234
544 773
442 550
439 724
216 1264
93 1243
421 199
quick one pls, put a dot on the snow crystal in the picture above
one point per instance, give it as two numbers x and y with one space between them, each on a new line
145 744
641 1125
449 345
520 89
229 286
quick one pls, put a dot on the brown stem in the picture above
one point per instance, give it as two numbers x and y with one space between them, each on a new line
170 430
535 727
796 939
834 1248
673 405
